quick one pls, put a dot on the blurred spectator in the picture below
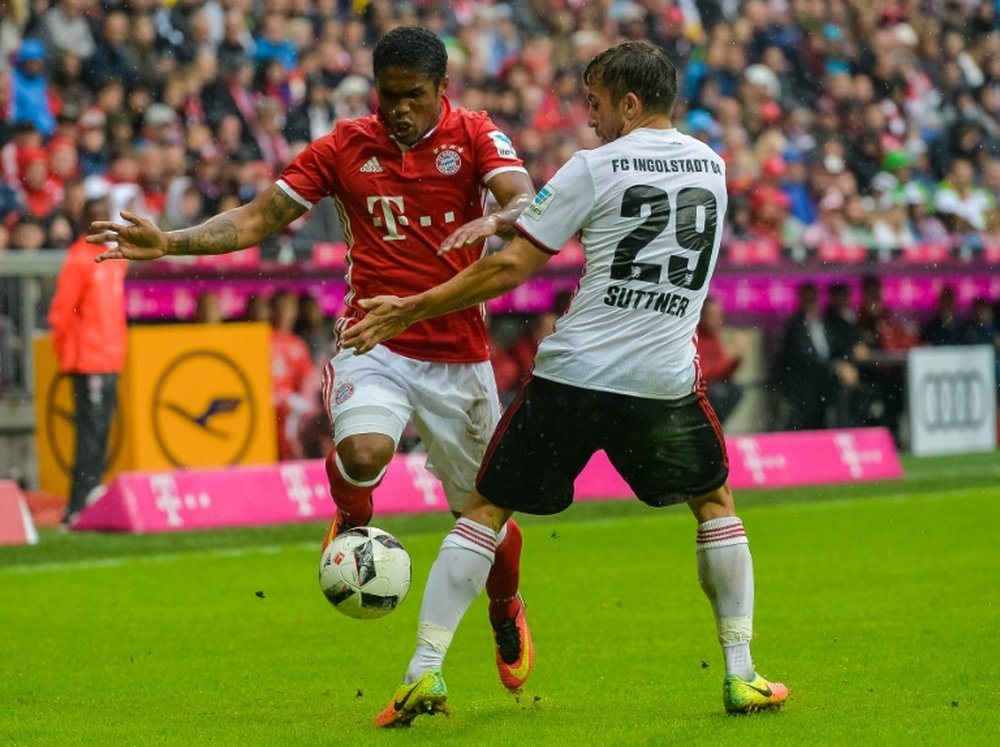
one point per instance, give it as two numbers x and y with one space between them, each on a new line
273 43
314 117
60 231
291 375
314 328
817 387
794 185
880 328
981 329
94 156
65 28
522 352
719 361
887 337
943 327
28 234
208 309
257 310
831 226
231 98
892 229
768 215
112 58
39 192
32 99
926 227
962 205
88 323
842 328
351 98
271 142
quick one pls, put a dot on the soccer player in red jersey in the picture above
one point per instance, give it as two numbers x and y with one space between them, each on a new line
410 185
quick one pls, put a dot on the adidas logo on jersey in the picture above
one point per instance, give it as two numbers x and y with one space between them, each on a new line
372 166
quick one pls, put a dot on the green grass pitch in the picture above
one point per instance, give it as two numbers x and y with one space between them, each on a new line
877 604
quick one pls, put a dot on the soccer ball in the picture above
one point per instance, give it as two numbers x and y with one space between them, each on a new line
365 572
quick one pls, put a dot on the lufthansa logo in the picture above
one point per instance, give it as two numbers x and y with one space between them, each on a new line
952 400
60 417
204 412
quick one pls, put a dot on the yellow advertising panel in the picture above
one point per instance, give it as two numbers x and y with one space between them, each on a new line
190 396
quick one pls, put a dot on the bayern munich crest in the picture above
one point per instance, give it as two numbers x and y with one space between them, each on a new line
449 160
343 392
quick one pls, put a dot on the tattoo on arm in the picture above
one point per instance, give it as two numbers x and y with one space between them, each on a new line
215 236
280 210
237 228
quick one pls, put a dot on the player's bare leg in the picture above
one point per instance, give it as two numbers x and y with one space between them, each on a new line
725 571
355 468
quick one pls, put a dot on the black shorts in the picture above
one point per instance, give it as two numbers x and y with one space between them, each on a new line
667 450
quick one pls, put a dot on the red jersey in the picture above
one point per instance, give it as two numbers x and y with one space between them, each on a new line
397 205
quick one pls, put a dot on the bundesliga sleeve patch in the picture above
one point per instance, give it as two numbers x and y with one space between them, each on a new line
541 203
505 148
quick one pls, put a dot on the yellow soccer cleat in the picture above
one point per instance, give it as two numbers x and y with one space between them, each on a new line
426 695
741 696
515 651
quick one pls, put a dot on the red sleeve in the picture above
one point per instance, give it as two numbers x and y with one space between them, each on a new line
494 151
311 176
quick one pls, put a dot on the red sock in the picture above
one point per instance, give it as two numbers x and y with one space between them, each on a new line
353 501
501 584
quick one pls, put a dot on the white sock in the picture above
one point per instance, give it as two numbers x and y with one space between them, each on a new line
725 571
456 579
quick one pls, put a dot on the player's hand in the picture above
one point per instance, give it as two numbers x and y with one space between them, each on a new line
139 238
387 316
470 234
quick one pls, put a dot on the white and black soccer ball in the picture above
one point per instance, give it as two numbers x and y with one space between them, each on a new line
365 572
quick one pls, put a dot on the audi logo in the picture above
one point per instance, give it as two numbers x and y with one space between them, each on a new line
952 400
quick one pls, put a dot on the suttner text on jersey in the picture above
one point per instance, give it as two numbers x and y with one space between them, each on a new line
666 165
673 304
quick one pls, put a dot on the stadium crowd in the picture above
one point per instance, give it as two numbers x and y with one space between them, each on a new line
871 124
867 123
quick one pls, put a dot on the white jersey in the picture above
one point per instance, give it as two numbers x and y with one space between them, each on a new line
649 209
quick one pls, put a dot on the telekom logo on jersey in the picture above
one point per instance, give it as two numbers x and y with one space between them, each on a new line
389 212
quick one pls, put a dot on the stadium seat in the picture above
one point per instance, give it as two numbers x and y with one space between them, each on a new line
329 254
842 253
760 252
927 253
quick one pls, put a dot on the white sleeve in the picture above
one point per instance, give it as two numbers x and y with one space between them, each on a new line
561 208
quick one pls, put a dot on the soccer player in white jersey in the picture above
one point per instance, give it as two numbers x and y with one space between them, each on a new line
620 372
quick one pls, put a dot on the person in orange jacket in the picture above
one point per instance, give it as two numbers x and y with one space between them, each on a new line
87 317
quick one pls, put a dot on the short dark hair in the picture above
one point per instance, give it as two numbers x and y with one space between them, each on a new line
413 48
638 67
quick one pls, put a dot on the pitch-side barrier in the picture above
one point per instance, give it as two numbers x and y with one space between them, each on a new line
163 501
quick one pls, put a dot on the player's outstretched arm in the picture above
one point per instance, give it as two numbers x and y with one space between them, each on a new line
247 225
513 193
488 277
